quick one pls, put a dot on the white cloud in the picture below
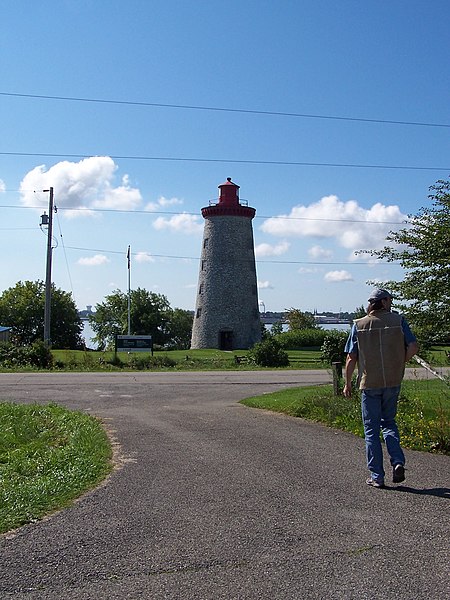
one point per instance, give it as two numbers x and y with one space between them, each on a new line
143 257
352 226
183 222
2 186
86 184
265 285
307 270
94 261
269 250
337 276
162 202
318 252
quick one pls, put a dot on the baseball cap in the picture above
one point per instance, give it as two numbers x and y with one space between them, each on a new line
379 294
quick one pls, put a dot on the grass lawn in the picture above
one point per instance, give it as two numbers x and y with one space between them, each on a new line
423 411
48 456
179 360
199 360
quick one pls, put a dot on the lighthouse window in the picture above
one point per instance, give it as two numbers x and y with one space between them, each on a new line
199 312
205 242
200 289
203 265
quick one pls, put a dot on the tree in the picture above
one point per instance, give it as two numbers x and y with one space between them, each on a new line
149 315
277 328
423 250
300 320
179 328
360 312
22 309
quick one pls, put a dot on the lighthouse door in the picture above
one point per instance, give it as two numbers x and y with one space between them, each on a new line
226 340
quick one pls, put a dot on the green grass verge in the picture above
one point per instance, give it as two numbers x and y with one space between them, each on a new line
175 360
48 457
423 411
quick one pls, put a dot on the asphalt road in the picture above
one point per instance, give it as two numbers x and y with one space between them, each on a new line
212 500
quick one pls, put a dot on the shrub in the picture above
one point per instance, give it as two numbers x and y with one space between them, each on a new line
301 338
36 355
269 353
332 349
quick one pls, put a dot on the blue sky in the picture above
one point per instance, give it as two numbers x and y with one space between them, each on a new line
136 169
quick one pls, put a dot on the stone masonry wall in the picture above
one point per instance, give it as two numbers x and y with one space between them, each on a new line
227 297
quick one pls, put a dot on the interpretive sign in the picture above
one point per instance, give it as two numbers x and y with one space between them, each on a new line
134 343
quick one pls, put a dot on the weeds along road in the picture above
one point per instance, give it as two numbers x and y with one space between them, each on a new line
213 500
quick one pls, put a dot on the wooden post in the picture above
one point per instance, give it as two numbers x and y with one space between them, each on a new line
337 376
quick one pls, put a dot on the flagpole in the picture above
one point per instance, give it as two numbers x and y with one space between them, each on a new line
129 289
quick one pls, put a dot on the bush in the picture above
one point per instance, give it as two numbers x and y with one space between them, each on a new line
36 355
301 338
332 349
269 353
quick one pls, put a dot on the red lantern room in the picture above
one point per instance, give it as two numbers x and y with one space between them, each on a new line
229 193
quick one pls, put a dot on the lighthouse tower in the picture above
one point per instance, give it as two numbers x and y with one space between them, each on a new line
226 312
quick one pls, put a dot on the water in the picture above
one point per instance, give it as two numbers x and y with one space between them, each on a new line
88 334
326 326
336 326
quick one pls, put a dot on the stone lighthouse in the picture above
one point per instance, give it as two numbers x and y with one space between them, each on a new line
226 313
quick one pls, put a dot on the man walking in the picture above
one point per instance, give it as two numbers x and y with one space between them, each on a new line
381 343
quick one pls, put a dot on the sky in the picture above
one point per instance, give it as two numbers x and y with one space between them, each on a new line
332 117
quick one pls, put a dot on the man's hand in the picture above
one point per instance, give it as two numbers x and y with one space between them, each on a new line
347 390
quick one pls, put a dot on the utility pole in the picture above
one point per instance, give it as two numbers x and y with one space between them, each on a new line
48 274
129 289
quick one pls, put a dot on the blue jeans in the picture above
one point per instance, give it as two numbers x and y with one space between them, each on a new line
379 408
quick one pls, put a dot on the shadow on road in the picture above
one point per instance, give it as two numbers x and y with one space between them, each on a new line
439 492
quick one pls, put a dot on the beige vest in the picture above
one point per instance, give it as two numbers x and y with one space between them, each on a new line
381 350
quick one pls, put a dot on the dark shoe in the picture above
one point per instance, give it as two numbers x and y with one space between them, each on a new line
373 483
398 473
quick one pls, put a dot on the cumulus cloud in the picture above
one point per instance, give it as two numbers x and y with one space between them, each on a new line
269 250
319 253
352 226
337 276
162 202
2 186
83 185
181 223
143 257
94 261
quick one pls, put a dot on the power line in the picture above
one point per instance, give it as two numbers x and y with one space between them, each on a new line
65 254
234 161
224 109
197 258
192 214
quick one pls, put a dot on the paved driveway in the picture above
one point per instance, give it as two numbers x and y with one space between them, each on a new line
213 501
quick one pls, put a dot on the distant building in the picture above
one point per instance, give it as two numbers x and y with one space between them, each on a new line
85 314
227 311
